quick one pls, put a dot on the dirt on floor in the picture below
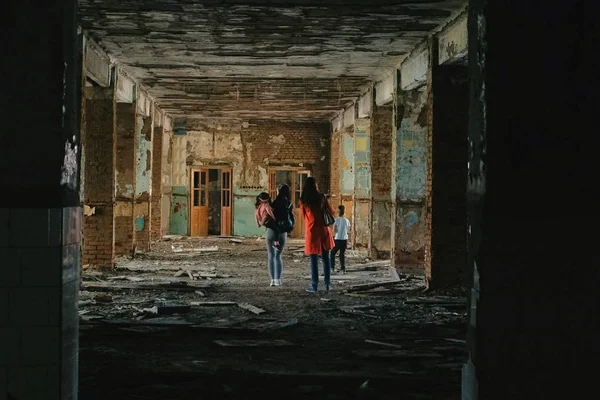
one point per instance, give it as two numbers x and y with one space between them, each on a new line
197 319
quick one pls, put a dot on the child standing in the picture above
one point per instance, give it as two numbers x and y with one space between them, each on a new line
264 214
340 228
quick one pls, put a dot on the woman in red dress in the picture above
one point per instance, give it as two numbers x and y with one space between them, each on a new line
317 236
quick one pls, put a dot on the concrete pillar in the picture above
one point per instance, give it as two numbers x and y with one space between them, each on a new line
533 259
362 183
40 214
125 178
347 179
446 231
167 180
180 195
381 181
334 159
409 174
449 175
157 183
99 195
143 181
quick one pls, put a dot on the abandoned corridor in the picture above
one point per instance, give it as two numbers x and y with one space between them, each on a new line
448 129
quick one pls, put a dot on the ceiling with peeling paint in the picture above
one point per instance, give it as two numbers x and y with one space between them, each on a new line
251 59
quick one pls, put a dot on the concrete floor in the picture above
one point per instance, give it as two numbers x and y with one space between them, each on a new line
129 352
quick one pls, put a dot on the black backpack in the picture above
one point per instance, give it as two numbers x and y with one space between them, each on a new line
284 216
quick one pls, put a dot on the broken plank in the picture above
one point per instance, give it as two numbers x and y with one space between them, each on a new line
456 340
394 274
167 322
367 286
396 346
251 308
207 249
106 286
254 343
393 354
355 311
213 303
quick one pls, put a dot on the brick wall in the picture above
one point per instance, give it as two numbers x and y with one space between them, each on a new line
381 181
99 175
305 143
334 167
263 145
381 151
156 197
125 178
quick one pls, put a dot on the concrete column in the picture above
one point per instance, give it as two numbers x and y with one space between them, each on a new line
125 178
449 175
362 183
167 181
99 195
40 214
346 173
143 181
157 183
446 225
381 181
533 259
180 194
409 175
334 158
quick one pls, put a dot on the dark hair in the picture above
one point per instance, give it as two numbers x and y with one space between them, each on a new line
310 196
263 196
283 191
342 209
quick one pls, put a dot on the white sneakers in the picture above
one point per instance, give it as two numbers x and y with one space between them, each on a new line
272 282
275 282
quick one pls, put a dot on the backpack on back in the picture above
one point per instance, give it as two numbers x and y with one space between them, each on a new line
284 216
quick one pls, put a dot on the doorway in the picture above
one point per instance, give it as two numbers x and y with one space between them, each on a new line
294 178
210 213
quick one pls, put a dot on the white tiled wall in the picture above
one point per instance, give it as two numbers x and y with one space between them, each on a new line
39 275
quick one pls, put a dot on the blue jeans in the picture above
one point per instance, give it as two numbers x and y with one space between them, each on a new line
275 262
314 269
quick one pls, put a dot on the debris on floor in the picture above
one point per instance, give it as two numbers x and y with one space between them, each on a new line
211 317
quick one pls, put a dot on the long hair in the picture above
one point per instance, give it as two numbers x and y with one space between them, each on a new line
310 196
283 192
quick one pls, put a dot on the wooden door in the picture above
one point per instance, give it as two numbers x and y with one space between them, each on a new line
273 184
226 202
199 208
299 178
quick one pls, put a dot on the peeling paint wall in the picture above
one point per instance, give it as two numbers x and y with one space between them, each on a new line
347 162
362 183
143 155
143 181
179 199
250 153
410 153
411 163
167 180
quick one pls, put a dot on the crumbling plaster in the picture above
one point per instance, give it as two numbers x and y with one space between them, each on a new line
299 59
